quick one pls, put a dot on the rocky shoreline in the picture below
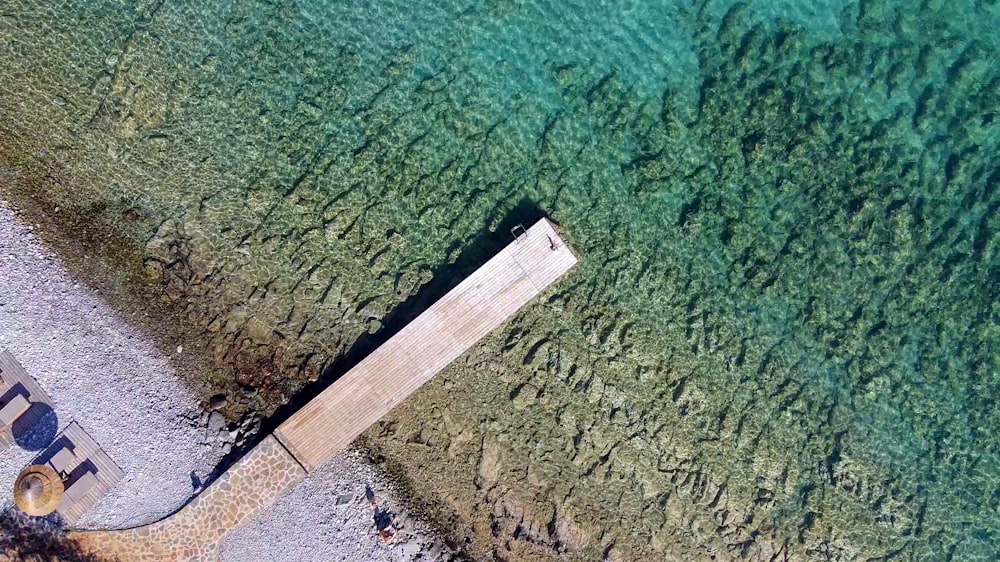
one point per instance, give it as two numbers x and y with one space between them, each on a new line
104 374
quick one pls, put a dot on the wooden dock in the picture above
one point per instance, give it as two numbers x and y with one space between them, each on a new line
479 304
90 458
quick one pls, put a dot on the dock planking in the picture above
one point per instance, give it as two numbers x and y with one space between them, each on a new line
442 333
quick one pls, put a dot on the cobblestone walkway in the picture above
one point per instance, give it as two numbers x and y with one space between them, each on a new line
196 531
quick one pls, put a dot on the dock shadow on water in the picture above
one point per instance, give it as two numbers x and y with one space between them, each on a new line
37 428
445 277
32 538
789 218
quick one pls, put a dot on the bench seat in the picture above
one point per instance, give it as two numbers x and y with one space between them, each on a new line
13 410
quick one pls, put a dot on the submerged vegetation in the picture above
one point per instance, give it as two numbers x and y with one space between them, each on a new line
782 336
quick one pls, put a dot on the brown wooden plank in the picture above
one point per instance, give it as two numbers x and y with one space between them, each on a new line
477 306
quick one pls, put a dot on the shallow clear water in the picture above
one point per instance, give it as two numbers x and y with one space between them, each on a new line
786 213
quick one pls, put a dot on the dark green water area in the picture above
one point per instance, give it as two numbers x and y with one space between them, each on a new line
782 339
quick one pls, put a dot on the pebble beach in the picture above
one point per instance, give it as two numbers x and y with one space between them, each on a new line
105 375
780 341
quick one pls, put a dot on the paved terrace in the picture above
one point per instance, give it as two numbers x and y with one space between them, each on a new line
327 424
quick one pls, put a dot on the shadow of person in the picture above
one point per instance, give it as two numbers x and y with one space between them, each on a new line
36 429
195 481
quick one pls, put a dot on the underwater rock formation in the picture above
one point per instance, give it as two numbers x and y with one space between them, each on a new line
781 339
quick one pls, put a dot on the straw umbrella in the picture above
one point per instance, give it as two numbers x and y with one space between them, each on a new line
38 490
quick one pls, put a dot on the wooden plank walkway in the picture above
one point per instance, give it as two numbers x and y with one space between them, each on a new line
17 381
328 423
479 304
89 458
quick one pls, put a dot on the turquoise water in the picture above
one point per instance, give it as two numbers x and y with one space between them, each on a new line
782 337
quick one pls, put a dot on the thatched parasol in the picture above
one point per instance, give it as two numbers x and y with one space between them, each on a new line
38 490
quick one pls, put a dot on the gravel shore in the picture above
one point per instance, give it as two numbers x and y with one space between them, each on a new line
105 375
329 517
